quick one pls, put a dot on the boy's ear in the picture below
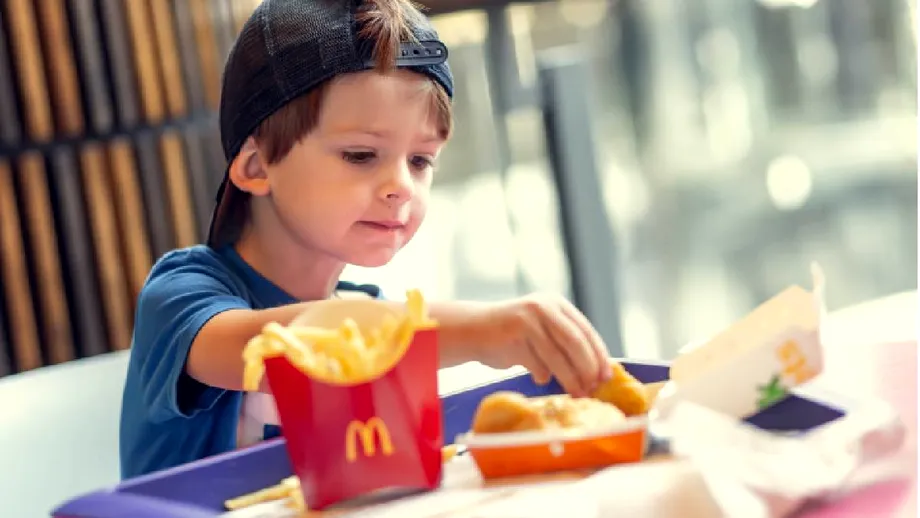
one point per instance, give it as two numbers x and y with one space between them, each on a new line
247 172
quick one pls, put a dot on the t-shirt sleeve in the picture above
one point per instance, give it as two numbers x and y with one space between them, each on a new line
172 308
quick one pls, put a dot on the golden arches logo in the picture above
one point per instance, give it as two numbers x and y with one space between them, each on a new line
794 362
367 433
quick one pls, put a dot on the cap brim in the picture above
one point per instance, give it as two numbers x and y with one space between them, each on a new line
224 219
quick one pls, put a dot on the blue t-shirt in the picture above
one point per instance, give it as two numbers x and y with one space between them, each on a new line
168 418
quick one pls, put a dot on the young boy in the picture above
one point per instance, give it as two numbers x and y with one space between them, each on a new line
332 116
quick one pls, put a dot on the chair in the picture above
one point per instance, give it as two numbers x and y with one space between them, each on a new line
59 433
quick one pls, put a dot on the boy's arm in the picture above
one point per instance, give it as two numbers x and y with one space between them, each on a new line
216 355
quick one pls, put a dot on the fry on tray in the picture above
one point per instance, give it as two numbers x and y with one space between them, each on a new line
448 452
287 488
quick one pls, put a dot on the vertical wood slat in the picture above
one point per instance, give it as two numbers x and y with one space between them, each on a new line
10 132
54 317
130 209
202 193
28 57
156 197
223 22
92 59
15 275
77 253
188 55
99 200
118 53
206 44
177 185
170 65
145 60
61 67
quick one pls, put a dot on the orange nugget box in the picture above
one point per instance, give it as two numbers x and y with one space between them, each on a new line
355 385
529 453
513 434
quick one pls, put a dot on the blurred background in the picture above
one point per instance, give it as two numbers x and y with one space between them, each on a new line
735 142
667 164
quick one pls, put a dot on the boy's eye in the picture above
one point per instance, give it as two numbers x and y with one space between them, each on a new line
421 162
358 157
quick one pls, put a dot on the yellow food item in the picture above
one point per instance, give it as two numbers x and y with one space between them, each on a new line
620 397
448 452
344 355
624 391
289 489
504 412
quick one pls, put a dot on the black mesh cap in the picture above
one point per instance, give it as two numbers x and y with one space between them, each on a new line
289 47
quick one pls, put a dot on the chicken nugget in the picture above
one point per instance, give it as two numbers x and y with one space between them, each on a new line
504 412
624 391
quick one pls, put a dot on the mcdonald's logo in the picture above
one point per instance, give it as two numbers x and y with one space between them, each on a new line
794 362
367 433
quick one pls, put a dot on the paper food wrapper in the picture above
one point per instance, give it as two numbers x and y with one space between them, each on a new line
752 473
755 362
349 440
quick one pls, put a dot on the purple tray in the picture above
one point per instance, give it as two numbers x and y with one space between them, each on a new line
199 489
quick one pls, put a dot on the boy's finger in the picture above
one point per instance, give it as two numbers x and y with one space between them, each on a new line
540 372
598 347
573 343
546 350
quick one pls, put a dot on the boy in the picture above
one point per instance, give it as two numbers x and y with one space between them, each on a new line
333 113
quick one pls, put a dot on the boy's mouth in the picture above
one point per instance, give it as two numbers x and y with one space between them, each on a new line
383 224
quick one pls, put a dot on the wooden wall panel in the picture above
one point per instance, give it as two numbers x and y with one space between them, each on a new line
109 157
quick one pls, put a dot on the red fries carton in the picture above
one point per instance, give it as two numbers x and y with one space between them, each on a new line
347 440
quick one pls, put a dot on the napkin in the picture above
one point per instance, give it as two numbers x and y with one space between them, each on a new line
752 473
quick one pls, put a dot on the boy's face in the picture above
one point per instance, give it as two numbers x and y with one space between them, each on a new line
356 188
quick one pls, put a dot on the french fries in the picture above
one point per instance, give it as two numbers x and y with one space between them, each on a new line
287 488
342 356
345 355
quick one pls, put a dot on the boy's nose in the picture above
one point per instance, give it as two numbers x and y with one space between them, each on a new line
398 185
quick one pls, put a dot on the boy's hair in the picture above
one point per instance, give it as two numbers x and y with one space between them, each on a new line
383 28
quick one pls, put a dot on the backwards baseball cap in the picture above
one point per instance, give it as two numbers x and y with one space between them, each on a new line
289 47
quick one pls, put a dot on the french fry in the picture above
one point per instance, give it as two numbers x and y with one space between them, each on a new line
345 355
449 452
287 488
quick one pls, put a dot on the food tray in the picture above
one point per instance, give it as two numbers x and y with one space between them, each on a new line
199 489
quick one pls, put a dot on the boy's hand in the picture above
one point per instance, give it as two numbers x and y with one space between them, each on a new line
547 335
